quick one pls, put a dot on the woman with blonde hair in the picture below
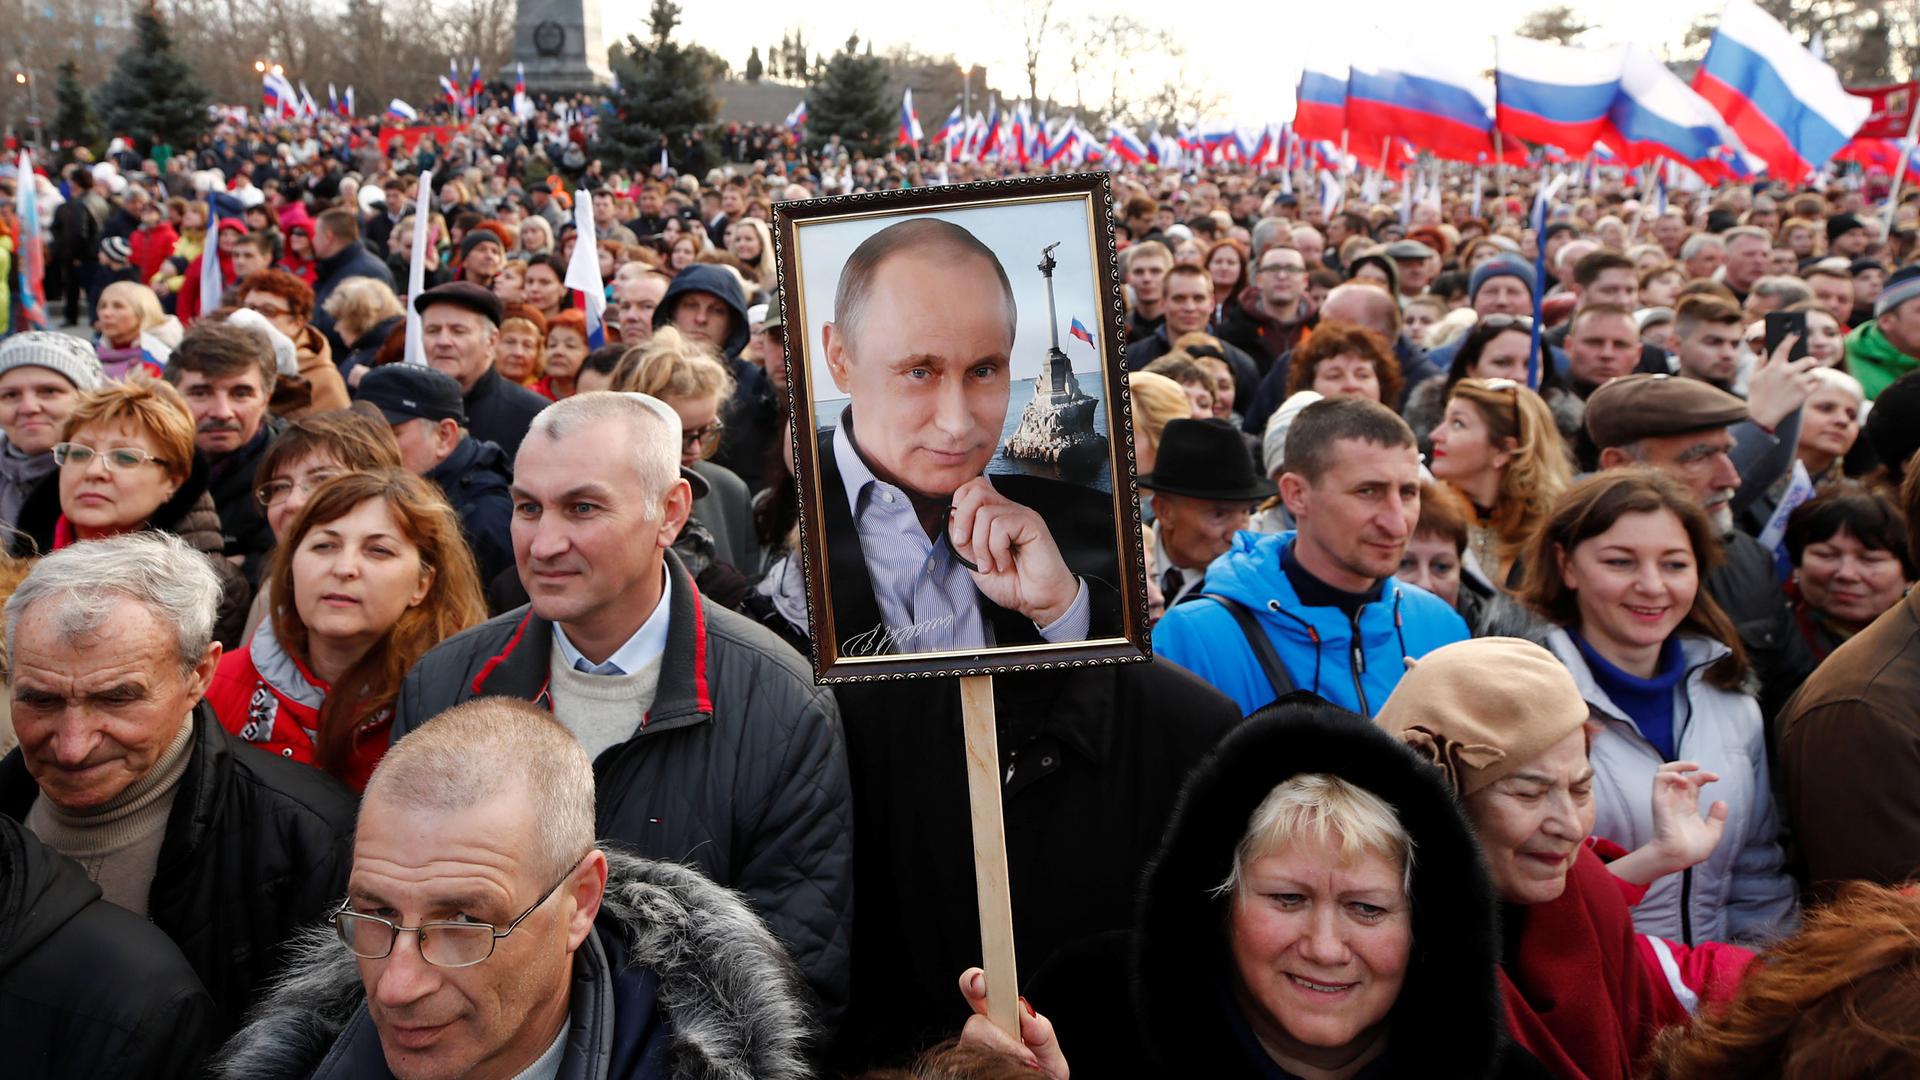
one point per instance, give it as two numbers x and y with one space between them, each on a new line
365 311
1497 445
1156 401
536 237
750 241
693 381
125 316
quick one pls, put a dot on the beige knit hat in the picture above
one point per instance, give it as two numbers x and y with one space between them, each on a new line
1483 708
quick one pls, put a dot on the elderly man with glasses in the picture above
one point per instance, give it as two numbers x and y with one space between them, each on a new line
124 769
485 935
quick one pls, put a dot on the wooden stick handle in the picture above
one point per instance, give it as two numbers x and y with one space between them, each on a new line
990 853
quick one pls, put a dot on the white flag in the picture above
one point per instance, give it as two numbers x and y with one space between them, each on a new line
417 269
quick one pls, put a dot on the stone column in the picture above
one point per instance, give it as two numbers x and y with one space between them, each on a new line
561 45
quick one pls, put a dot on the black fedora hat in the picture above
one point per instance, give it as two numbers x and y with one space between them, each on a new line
1206 459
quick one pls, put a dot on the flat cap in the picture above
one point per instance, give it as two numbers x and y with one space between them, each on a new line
463 293
1642 406
1409 249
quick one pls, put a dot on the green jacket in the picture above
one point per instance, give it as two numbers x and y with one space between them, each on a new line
1874 360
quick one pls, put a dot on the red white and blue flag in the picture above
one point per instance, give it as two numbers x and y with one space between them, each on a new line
1320 110
1081 332
910 132
1786 103
475 82
950 128
400 110
1407 92
797 119
1125 144
33 246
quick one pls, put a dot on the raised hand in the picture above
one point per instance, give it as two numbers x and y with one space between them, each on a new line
1680 835
1036 1047
1018 565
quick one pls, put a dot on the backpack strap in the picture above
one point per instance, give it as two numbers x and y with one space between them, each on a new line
1257 640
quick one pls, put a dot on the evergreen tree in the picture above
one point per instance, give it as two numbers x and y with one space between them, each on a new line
664 99
73 121
152 96
850 99
753 65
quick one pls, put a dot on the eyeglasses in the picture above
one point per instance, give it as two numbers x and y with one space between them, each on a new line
274 492
269 310
73 453
704 439
442 944
1272 268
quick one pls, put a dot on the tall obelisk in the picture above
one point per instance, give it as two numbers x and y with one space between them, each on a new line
561 45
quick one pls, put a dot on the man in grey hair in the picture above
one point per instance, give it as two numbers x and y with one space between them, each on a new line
485 934
123 768
711 743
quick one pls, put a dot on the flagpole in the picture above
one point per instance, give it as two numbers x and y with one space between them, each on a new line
1499 168
1900 168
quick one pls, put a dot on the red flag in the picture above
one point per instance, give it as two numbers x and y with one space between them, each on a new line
1892 110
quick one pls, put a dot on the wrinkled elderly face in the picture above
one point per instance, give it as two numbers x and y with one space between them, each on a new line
1532 822
94 715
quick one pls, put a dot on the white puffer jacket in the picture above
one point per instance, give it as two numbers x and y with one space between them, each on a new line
1740 893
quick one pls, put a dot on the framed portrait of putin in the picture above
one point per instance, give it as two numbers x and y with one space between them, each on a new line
961 430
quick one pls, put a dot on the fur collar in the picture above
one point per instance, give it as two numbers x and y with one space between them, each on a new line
736 1003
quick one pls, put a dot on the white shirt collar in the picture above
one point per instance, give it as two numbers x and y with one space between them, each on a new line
643 648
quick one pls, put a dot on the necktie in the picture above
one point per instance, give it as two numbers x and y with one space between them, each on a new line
1171 583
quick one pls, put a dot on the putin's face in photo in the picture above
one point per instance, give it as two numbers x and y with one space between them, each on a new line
921 344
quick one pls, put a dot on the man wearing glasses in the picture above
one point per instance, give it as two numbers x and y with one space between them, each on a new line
226 372
1269 320
429 422
485 936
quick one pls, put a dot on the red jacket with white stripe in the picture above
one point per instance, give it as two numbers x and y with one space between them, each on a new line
269 699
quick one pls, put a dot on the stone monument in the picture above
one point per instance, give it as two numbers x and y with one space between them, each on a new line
1057 424
560 43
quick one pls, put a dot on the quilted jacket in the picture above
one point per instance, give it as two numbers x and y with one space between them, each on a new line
739 770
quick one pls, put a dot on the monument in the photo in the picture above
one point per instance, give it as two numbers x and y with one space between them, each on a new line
561 45
1057 425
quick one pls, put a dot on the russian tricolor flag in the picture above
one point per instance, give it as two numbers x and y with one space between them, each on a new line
1657 115
950 129
1126 145
1786 104
1546 93
474 82
583 274
400 110
1081 332
1449 108
910 132
1320 110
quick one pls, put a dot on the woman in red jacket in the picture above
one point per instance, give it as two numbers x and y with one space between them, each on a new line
377 573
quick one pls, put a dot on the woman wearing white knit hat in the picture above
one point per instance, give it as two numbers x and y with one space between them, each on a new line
42 376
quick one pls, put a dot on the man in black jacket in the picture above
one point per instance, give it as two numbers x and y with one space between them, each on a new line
57 937
710 743
338 255
460 325
121 766
704 303
428 419
226 372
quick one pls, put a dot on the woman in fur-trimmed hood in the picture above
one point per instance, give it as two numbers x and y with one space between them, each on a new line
732 1007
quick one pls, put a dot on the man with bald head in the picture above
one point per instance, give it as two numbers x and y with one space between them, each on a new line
926 553
1359 304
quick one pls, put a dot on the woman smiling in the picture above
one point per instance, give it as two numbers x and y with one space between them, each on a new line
1618 568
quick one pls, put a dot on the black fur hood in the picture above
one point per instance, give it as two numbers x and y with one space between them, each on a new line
736 1003
1447 1021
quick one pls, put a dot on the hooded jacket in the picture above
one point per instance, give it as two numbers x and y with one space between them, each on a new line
750 415
1874 360
255 847
1180 1009
57 935
1353 664
739 769
1739 893
677 979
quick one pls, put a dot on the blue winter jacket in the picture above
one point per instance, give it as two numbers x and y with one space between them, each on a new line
1316 644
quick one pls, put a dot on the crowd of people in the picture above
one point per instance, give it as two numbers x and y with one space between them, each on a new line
1525 700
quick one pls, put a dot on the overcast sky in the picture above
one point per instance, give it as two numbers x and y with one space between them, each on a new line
1250 52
